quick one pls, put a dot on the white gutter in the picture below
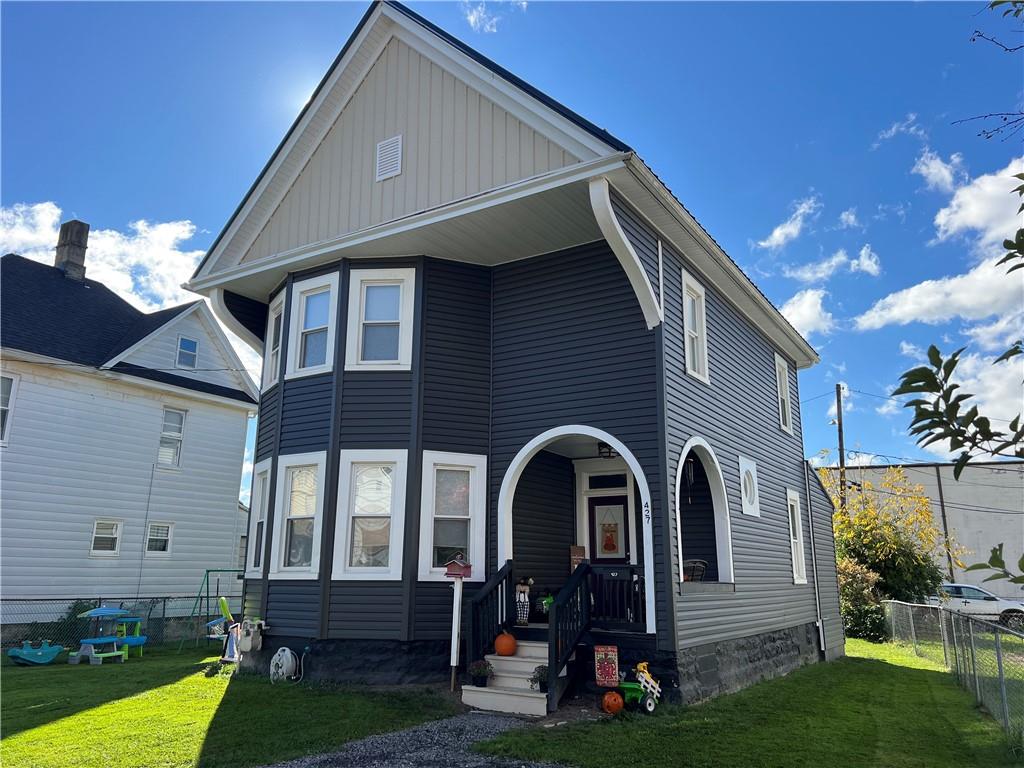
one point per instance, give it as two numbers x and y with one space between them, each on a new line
814 560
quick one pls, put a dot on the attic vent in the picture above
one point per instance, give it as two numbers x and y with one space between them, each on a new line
389 158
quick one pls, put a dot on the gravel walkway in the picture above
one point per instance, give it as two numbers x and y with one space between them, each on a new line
438 744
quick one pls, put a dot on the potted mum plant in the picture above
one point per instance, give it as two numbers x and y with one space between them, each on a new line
539 678
480 671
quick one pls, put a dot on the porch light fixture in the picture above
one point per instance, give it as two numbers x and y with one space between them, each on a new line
689 479
605 451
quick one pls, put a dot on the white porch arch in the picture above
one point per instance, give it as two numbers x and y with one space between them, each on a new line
531 449
719 502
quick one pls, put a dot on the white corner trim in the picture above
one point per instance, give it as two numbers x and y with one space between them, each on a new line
477 555
531 449
600 202
719 501
220 309
340 569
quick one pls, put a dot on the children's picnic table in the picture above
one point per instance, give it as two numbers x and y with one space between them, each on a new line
129 633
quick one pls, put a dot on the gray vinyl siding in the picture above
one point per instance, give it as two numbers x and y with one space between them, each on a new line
266 428
544 521
640 236
293 608
570 346
825 551
306 421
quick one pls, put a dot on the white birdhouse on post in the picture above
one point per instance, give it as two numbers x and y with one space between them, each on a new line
456 569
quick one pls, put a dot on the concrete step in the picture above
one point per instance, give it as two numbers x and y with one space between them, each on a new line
515 680
533 649
502 699
514 665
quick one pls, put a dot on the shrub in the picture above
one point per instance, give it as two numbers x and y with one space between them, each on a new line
863 615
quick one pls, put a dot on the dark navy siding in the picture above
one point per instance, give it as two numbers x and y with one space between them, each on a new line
306 421
376 409
250 313
252 596
432 610
266 428
571 347
293 608
367 610
544 521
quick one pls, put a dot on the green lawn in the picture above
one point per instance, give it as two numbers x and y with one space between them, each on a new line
881 706
168 710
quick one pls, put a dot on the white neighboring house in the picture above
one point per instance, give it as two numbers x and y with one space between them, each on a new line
121 437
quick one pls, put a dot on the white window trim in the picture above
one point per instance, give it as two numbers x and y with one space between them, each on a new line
277 569
181 446
754 509
15 380
340 569
120 535
170 539
177 353
692 286
406 276
300 289
270 372
257 506
477 464
782 392
799 573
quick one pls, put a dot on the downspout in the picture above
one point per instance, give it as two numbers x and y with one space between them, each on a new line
814 561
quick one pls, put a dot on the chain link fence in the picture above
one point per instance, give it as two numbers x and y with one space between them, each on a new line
986 659
165 620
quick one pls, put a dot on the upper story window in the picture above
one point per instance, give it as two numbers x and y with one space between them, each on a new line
158 539
453 508
172 433
796 537
311 332
106 538
296 544
782 391
380 319
8 389
188 352
695 328
272 356
371 515
260 500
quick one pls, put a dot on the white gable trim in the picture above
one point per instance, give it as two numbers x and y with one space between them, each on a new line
600 201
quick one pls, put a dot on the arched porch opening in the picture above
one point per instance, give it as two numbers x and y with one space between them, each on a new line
704 535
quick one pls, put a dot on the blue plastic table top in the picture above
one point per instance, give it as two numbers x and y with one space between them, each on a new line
100 640
132 640
102 612
129 620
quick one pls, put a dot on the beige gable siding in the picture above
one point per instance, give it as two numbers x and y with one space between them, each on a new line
455 143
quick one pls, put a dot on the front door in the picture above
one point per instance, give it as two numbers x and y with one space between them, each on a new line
609 530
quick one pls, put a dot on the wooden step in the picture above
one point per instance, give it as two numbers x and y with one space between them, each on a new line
515 680
515 665
533 649
496 698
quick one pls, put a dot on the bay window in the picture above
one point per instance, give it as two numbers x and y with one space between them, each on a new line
296 544
311 332
380 319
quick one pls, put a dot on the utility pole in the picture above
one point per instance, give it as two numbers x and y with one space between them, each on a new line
842 447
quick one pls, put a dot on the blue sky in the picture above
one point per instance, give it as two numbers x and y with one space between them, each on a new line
814 141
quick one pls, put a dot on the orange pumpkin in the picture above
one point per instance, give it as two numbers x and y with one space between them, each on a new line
612 702
505 644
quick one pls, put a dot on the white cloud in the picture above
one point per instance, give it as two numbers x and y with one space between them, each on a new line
899 210
245 489
145 265
908 126
889 408
984 206
867 261
911 350
818 271
482 16
791 228
848 406
939 174
999 334
848 219
806 312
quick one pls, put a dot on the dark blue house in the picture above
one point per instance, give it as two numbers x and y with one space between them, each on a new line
488 328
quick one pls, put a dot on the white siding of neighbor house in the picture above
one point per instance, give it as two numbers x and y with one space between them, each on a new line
161 352
455 143
81 447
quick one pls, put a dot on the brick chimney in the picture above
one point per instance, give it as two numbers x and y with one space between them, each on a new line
71 245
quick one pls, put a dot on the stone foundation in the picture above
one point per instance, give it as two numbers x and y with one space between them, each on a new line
706 671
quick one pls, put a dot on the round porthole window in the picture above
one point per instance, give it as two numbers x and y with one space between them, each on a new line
749 488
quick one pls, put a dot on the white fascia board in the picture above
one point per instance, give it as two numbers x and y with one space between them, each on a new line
601 203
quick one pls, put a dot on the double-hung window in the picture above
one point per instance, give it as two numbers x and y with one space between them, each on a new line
258 517
188 353
296 543
311 334
272 356
106 538
172 433
8 389
782 392
158 539
370 523
380 311
695 329
796 537
452 512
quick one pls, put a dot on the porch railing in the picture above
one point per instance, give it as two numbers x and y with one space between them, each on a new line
568 619
619 598
491 610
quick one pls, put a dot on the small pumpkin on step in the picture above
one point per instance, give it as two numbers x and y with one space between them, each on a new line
505 644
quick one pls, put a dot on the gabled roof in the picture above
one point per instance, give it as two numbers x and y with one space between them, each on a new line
81 321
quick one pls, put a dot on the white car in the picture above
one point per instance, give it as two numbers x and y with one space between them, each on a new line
975 601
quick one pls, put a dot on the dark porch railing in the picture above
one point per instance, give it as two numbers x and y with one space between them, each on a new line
568 619
491 610
619 597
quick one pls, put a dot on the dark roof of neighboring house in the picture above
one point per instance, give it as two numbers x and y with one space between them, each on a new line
80 321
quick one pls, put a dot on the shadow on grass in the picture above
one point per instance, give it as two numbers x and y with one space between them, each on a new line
35 696
257 723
